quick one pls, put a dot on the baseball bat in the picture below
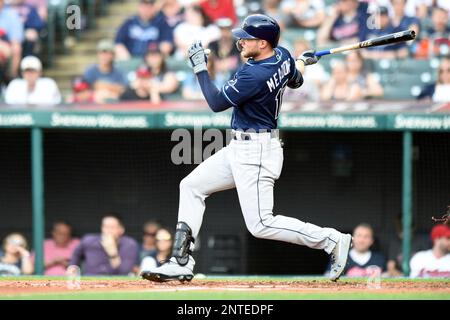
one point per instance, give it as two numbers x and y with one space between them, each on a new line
379 41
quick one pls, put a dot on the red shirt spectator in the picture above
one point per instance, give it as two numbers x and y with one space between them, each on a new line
216 9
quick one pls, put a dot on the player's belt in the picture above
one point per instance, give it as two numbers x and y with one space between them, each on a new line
240 135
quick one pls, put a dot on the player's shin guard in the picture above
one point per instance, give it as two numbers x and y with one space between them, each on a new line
183 243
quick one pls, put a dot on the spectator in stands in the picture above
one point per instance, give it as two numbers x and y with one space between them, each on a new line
5 55
439 91
347 19
400 22
41 6
385 27
197 26
361 258
164 242
423 8
108 253
59 249
173 12
360 78
148 27
32 89
433 263
217 9
81 92
148 246
107 81
349 84
10 22
436 41
139 88
338 86
16 259
304 13
163 81
33 25
272 9
225 50
191 87
314 77
395 248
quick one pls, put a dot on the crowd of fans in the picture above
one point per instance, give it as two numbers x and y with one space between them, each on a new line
161 30
112 252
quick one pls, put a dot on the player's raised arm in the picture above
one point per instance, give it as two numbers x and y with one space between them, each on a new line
197 60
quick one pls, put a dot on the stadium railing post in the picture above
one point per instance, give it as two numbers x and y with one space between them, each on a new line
407 198
37 176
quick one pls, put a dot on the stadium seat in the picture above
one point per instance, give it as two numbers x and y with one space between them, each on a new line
407 79
176 96
293 34
415 66
177 65
127 66
399 91
327 62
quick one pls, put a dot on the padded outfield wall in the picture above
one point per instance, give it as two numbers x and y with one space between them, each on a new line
340 168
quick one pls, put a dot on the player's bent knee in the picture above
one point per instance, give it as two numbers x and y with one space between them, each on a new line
188 184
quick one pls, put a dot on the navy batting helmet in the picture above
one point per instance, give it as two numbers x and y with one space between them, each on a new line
259 26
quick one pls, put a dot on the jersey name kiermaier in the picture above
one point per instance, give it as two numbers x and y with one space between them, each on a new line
256 91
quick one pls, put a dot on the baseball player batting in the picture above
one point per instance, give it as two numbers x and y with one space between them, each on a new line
254 158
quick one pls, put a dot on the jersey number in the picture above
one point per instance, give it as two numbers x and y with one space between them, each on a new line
279 99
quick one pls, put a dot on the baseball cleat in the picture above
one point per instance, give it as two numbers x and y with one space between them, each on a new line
339 256
170 271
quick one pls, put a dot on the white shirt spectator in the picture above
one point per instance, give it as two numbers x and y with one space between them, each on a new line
441 93
360 257
424 264
185 34
45 92
309 12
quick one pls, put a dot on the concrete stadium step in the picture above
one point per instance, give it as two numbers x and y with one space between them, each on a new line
82 52
64 73
128 6
69 62
96 35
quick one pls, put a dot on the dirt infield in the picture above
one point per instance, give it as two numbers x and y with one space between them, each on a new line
8 287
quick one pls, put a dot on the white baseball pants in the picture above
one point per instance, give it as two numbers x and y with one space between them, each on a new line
250 166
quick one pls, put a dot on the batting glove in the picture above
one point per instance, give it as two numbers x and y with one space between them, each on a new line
309 57
197 57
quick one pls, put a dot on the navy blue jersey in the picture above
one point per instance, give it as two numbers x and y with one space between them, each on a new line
137 35
256 91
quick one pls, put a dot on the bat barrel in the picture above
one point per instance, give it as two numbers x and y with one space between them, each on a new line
389 39
401 36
